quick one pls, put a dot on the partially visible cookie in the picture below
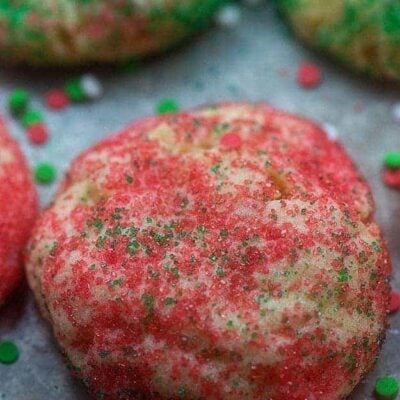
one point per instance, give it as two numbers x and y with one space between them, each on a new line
18 206
68 32
364 34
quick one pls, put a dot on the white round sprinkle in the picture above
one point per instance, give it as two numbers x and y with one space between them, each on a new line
228 16
396 112
330 130
91 86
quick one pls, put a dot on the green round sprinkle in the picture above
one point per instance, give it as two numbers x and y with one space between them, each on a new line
31 117
167 106
18 101
45 173
75 91
387 387
9 352
392 159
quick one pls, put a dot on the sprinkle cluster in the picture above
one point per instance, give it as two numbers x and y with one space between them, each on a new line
77 90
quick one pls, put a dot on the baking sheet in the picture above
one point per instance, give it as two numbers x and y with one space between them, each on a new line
255 61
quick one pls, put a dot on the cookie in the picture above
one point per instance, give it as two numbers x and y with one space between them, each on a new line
213 254
363 34
66 32
18 205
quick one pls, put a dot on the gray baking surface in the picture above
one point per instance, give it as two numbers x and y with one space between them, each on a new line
254 61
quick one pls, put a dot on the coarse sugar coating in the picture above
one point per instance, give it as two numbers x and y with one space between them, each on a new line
224 253
69 32
364 34
18 206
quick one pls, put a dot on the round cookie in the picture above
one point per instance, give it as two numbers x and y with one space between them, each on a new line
17 211
364 34
214 254
68 32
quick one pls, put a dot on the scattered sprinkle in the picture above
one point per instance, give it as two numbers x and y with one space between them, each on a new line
331 131
166 106
45 173
91 86
18 102
392 160
37 133
309 75
396 112
391 178
32 117
74 90
231 141
56 99
9 352
387 387
394 304
228 16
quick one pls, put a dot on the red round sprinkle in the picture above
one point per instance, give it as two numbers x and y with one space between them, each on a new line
231 140
37 133
394 304
391 178
309 75
57 99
